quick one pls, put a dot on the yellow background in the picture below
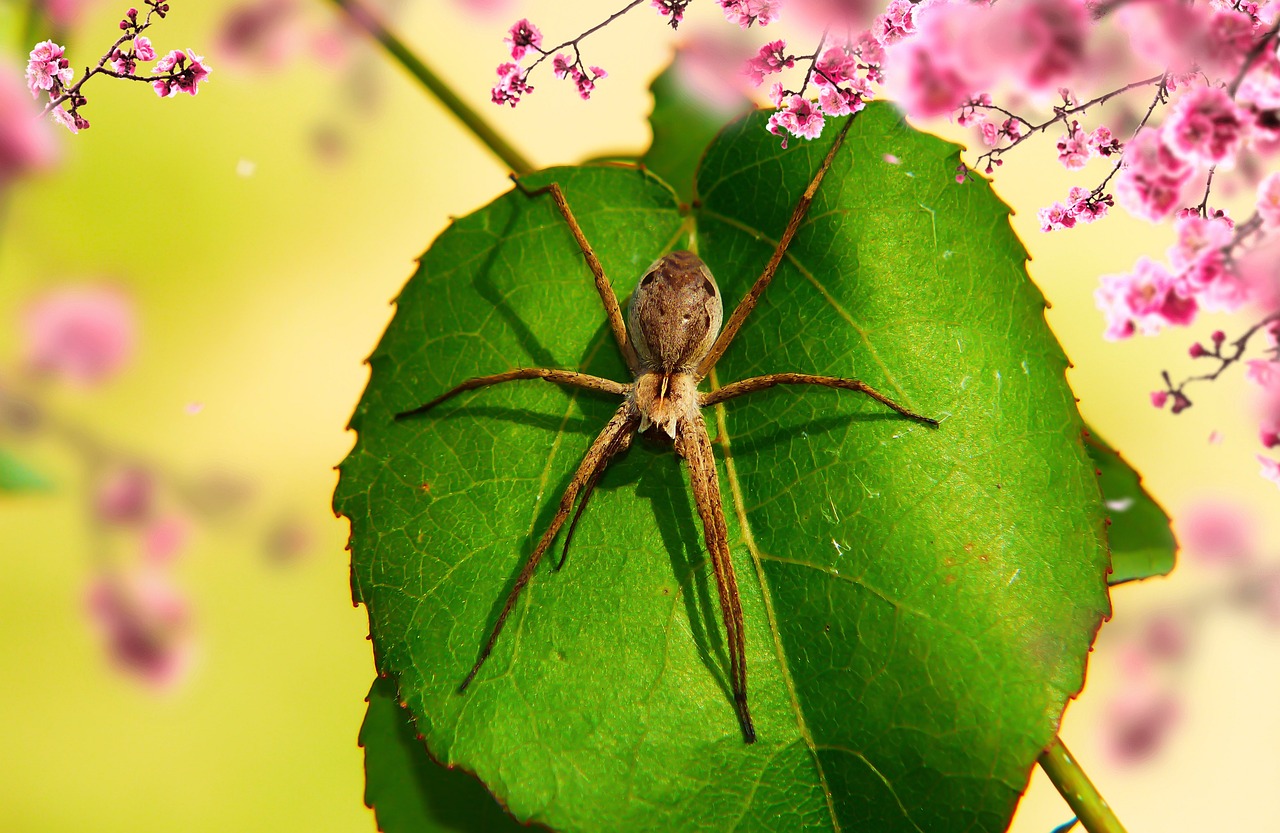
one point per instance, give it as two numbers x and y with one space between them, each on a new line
260 295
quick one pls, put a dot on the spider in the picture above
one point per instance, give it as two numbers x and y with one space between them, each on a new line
671 339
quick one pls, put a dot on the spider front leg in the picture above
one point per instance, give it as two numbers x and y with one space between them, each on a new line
613 440
694 445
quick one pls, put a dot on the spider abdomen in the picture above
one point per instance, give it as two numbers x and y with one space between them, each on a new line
675 314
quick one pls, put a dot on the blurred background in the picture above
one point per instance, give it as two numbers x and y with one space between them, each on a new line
248 242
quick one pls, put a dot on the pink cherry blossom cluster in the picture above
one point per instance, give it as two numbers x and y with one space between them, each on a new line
524 38
1155 652
49 72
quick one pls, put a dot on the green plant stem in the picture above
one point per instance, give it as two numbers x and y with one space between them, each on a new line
1089 806
363 17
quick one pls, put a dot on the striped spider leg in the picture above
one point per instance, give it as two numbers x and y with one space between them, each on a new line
671 339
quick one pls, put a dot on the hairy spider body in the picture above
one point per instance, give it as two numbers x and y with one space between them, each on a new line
671 340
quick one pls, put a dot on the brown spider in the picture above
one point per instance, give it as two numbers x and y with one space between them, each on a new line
674 317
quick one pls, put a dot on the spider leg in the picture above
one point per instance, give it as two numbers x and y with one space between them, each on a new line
582 506
614 439
756 383
748 303
694 445
560 377
611 308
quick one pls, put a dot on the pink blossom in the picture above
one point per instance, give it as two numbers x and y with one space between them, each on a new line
25 141
264 33
930 74
671 8
990 134
48 70
1165 638
1269 200
81 333
1143 301
185 71
1261 86
1151 182
1213 284
897 22
164 538
1263 372
1073 149
1037 43
841 101
1159 398
746 12
771 58
1055 217
585 81
1270 469
63 13
1102 143
1217 533
1205 126
523 37
145 624
704 66
68 119
511 84
142 49
799 117
1197 236
1139 721
124 496
836 66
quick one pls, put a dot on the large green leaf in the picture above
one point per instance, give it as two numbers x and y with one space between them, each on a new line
919 603
409 792
1142 542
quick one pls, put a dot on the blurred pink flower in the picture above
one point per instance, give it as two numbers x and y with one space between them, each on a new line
1138 722
26 143
265 33
1142 301
64 13
1165 638
164 538
1204 126
1151 183
83 334
705 67
124 496
1217 533
145 624
746 12
1269 200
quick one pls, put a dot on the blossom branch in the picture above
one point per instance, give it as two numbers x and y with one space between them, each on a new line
1094 813
1224 358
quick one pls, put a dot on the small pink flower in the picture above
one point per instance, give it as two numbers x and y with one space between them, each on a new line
145 624
771 58
1159 398
1102 143
1145 301
841 101
1269 200
185 71
1205 127
835 67
560 65
124 496
1197 236
1151 183
82 334
47 69
142 49
746 12
1139 721
511 85
1213 284
261 33
164 539
897 22
1217 533
1270 469
523 37
1263 372
671 8
1056 217
990 134
1073 149
799 117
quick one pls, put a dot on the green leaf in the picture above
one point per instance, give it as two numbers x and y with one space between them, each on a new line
919 603
409 792
683 124
1142 542
16 476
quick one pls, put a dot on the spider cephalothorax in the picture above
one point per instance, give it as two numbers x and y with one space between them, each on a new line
671 339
